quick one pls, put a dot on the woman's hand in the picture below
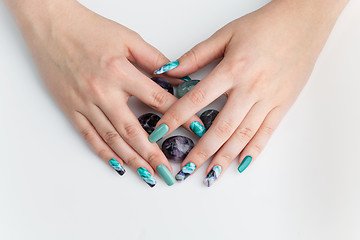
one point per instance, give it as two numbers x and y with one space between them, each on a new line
85 61
268 56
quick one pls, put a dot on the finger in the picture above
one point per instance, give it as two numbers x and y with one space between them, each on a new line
262 136
159 99
112 138
220 131
238 140
148 57
130 130
202 94
97 144
201 55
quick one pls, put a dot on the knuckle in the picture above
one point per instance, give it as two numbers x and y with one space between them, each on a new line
114 66
227 157
257 148
131 131
153 158
202 155
223 129
111 137
87 135
268 130
244 134
131 161
158 99
192 54
197 96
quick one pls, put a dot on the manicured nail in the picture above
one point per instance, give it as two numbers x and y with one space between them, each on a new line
197 128
116 166
186 78
146 176
213 175
158 133
165 174
167 67
186 171
244 164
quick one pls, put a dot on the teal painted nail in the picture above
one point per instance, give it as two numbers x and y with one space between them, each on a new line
167 67
165 174
186 78
213 175
158 133
146 176
197 128
244 164
185 172
116 166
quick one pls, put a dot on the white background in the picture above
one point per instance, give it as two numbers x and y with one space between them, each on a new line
305 185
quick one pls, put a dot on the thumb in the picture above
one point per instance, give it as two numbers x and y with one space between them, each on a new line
148 57
201 55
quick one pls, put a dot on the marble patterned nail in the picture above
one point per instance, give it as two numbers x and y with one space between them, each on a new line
212 175
146 176
197 128
185 172
116 166
186 78
167 67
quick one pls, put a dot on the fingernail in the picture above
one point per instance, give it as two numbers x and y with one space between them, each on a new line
146 176
244 164
158 133
212 175
197 128
167 67
186 78
185 172
117 167
165 174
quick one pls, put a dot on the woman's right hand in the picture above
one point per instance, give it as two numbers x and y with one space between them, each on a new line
85 62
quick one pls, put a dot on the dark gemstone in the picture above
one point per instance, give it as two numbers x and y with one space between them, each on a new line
185 87
176 148
148 121
164 83
208 117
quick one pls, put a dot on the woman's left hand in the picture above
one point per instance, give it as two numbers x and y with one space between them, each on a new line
268 56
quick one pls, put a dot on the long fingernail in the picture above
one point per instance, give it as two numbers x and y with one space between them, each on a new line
212 175
167 67
158 133
165 174
146 176
185 172
186 78
117 167
197 128
244 164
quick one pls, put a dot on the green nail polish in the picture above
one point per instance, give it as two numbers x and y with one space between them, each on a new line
167 67
165 174
186 78
244 164
197 128
158 133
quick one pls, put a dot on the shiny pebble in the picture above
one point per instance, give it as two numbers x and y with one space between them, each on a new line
176 148
164 83
148 121
208 117
185 87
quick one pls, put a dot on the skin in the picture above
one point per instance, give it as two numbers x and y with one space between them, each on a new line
268 56
91 76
